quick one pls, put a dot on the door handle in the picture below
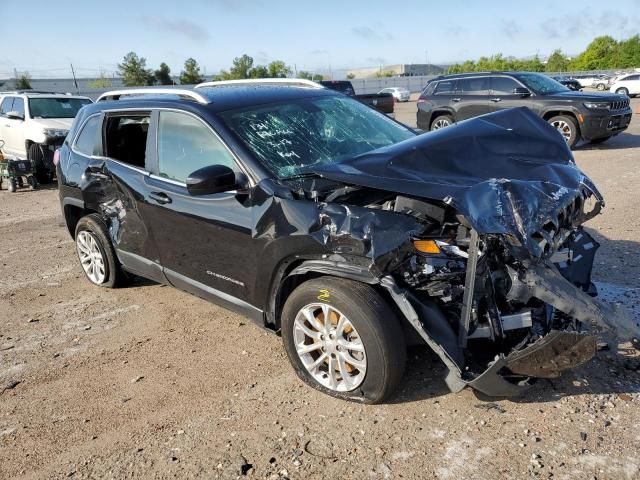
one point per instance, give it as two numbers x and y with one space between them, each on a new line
160 197
497 99
455 100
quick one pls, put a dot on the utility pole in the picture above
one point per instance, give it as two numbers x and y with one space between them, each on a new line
75 82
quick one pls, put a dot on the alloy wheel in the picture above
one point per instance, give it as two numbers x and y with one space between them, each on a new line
329 347
91 257
564 128
440 123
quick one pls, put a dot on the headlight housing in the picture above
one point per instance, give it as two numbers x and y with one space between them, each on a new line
597 105
55 132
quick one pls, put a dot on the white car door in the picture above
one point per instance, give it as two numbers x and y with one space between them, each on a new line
9 128
634 84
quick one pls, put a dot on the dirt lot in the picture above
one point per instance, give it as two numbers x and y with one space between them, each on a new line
150 382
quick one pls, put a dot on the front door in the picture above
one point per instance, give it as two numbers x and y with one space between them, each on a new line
205 241
502 95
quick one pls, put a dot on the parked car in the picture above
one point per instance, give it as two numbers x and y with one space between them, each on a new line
594 117
602 83
344 230
383 102
33 124
570 83
628 85
400 94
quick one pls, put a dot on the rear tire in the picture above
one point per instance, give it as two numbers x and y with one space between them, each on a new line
358 317
600 87
567 127
36 155
442 121
93 246
622 91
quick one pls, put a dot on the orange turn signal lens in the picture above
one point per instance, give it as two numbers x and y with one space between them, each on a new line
426 246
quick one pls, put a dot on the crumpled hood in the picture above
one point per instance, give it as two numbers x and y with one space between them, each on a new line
507 172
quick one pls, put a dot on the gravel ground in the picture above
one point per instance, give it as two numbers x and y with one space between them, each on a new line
149 382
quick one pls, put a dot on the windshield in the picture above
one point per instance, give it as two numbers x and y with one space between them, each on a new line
56 107
541 84
290 138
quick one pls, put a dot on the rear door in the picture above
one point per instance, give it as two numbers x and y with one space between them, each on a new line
116 172
205 242
471 97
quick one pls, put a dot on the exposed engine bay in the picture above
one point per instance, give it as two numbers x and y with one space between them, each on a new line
495 273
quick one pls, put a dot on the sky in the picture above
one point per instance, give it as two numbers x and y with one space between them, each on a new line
43 38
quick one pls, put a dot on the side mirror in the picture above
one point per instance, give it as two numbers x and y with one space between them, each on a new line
525 92
15 115
211 179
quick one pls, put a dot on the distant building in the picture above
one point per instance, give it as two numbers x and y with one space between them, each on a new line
399 70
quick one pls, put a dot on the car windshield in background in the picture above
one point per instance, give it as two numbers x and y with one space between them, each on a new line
56 107
541 83
291 137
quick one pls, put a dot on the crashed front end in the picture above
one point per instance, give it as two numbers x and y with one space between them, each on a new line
496 278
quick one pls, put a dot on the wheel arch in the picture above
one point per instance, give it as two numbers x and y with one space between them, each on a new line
73 210
440 112
294 272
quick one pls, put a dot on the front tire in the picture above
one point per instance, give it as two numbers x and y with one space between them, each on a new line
442 121
96 254
36 155
343 339
567 127
622 91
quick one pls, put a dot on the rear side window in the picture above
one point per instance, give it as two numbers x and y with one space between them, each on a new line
503 85
126 139
445 87
89 139
5 107
473 86
186 144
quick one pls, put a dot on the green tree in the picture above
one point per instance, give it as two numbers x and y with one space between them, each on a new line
278 69
259 71
384 74
600 53
316 77
241 68
351 76
133 71
23 82
101 82
557 62
191 73
163 75
629 53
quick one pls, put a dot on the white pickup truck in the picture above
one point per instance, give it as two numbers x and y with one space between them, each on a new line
33 124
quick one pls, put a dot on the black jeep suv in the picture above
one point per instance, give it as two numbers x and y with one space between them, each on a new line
344 230
594 117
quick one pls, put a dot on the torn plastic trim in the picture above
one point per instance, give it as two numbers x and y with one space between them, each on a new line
454 378
544 282
335 268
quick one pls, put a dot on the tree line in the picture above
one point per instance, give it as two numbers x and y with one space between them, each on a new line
603 53
134 72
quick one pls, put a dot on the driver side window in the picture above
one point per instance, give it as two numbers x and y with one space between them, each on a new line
186 144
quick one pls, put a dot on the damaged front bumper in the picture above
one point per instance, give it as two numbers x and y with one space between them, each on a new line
546 355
